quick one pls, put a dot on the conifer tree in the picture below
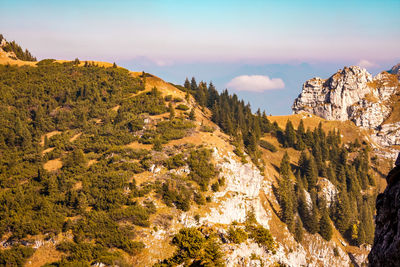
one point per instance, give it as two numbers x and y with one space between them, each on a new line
313 220
171 111
302 163
187 83
290 135
298 230
300 130
300 133
311 172
325 225
368 223
342 212
286 193
193 84
192 115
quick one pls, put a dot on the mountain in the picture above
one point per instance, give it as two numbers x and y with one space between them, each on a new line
105 166
353 94
14 51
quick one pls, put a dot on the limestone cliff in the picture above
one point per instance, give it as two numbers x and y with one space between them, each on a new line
353 94
386 248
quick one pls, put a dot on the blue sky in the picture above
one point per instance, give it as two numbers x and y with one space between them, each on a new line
246 46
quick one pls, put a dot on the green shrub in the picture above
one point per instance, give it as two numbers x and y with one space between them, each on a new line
16 256
175 161
177 99
189 241
207 129
267 145
262 236
237 235
202 169
182 107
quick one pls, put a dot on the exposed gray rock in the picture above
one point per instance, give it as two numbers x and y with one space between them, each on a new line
395 69
352 94
386 248
331 98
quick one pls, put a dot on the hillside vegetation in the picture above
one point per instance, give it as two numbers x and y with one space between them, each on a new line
96 161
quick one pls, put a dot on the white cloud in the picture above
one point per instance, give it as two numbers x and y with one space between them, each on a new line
366 64
163 63
255 83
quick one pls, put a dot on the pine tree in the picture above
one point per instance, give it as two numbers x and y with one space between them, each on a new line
171 111
286 193
325 225
368 223
290 135
313 221
300 145
300 130
311 172
192 115
298 230
342 212
331 175
302 163
186 84
193 84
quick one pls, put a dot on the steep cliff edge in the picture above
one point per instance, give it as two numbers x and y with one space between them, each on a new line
353 94
386 248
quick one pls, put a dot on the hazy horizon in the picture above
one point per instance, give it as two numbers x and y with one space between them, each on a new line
261 50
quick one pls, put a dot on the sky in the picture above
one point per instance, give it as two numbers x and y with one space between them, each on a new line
261 50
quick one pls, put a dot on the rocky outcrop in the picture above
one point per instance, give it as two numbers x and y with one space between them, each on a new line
395 70
332 98
353 94
386 248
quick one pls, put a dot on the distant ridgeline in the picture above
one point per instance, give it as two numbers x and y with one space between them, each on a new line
16 49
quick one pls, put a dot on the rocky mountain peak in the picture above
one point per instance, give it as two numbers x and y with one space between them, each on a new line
395 69
353 94
332 98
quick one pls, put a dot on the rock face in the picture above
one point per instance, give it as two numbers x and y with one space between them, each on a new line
395 69
386 248
353 94
332 98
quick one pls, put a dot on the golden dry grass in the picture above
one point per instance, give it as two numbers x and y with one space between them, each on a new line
137 145
47 150
53 165
4 60
116 108
395 104
76 136
143 177
98 63
43 255
164 87
91 162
